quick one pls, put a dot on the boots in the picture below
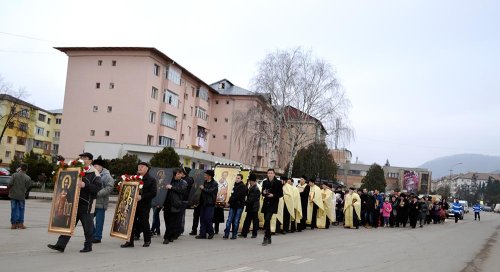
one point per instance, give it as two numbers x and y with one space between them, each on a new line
21 226
264 242
13 226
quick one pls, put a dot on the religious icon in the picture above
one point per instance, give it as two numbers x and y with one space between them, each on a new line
123 220
65 201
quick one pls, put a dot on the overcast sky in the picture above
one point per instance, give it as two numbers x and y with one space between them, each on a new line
423 77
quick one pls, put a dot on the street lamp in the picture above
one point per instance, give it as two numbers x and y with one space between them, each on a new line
451 170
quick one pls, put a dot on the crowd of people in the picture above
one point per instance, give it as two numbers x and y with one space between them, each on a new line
277 206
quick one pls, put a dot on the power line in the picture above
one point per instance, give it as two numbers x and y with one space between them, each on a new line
26 52
28 37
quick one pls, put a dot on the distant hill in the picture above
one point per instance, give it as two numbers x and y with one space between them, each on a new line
470 163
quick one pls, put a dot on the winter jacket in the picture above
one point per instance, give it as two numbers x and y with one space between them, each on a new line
209 193
275 188
413 209
93 184
380 202
175 195
252 203
237 198
18 185
148 192
476 208
386 209
107 187
423 208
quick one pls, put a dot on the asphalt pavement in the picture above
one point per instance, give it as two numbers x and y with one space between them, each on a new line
466 246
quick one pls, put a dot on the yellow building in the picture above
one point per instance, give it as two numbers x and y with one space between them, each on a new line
25 127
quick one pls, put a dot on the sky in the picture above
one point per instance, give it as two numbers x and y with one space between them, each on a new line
422 76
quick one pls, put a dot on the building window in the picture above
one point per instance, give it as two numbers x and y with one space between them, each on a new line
182 136
165 141
92 132
223 154
189 131
168 120
154 93
215 119
97 85
150 140
106 133
110 108
213 136
41 117
48 121
171 98
37 144
10 125
19 155
202 93
186 96
57 134
21 140
201 113
226 120
222 85
48 133
113 63
99 63
156 70
111 85
213 154
174 76
46 147
152 117
39 131
225 137
23 127
24 113
227 102
184 116
217 102
55 147
9 139
95 108
58 121
7 154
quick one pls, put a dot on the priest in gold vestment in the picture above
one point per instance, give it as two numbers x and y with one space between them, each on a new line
315 204
328 215
352 209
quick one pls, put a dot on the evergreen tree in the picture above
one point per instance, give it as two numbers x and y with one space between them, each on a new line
374 179
125 165
166 158
314 161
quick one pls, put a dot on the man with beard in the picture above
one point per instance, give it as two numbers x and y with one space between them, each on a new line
146 194
272 190
304 190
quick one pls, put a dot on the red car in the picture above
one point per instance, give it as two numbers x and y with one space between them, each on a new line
4 172
4 189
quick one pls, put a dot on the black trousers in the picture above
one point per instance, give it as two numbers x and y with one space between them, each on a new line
413 220
182 218
477 216
376 217
314 216
286 219
196 218
141 224
87 220
355 219
302 223
457 215
172 224
252 217
267 224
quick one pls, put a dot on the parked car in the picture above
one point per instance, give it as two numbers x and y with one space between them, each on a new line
4 189
4 172
486 208
497 208
465 204
450 212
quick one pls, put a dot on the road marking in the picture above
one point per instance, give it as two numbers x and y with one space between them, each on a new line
241 269
301 261
260 271
289 258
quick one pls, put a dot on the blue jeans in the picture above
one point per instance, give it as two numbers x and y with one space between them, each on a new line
155 226
233 219
17 211
99 223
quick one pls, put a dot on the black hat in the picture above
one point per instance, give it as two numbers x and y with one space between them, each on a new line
145 164
252 177
210 173
99 161
186 170
87 154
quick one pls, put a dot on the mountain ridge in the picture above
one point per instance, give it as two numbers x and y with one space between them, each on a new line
462 163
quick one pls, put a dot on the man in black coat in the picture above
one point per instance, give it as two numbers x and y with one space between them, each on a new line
236 204
89 185
413 211
304 190
147 193
207 204
272 190
185 200
173 205
252 205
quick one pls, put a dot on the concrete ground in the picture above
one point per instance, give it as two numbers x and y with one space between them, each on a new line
467 246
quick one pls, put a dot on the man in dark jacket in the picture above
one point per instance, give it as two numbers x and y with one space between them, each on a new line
89 185
207 203
272 190
236 204
173 206
185 199
413 211
19 183
252 205
304 190
147 193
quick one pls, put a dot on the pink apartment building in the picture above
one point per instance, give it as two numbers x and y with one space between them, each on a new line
139 98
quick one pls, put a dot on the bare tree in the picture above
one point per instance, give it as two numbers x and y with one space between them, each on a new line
302 95
11 110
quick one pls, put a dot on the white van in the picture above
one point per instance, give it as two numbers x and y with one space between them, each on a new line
465 204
